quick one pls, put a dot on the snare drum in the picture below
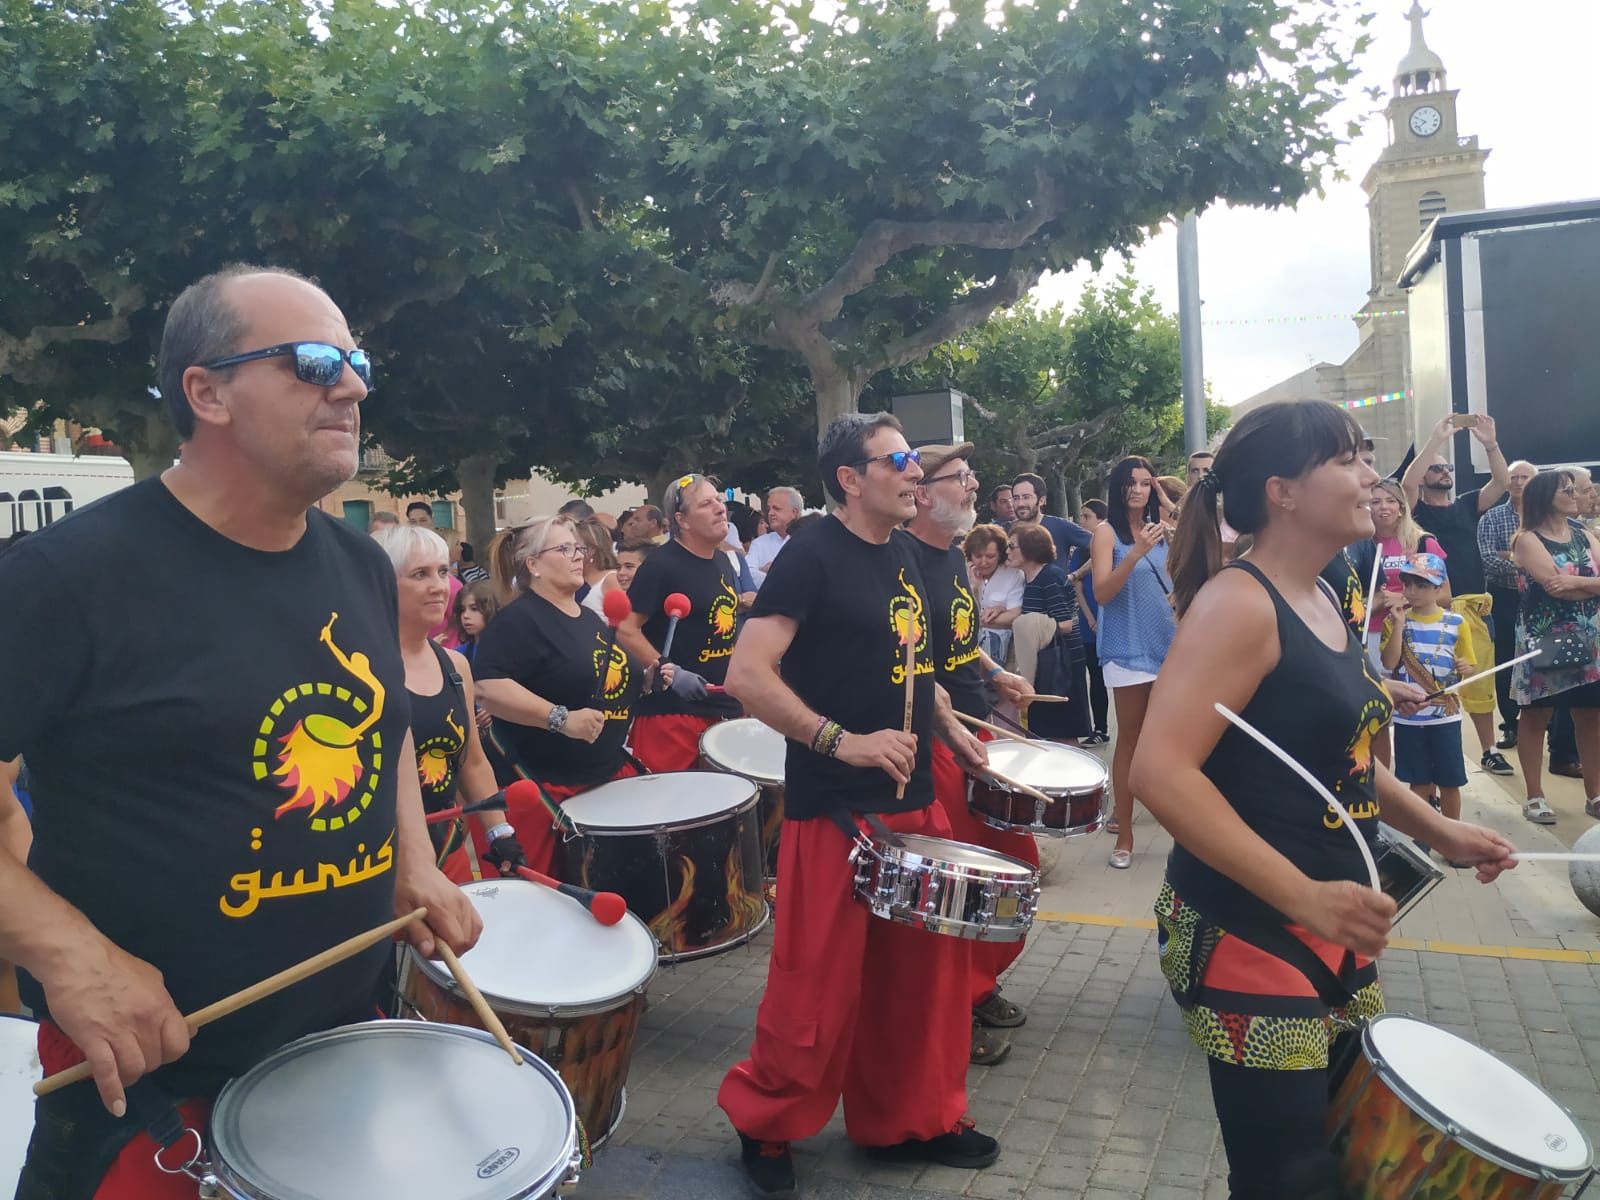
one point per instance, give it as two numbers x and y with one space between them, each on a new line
1074 779
565 986
19 1071
754 751
1425 1114
393 1108
683 849
947 887
1405 873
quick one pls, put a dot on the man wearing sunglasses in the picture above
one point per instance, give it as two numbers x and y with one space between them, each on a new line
822 659
216 806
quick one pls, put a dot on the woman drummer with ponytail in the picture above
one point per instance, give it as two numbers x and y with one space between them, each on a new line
1268 930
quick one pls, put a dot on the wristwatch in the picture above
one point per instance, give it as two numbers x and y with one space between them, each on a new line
558 718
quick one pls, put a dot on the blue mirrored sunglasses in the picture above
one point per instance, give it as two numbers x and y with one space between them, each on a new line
897 459
314 362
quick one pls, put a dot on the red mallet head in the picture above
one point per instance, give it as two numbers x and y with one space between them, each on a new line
616 607
523 792
676 605
608 908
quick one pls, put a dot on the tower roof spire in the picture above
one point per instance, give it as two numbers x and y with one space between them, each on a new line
1421 70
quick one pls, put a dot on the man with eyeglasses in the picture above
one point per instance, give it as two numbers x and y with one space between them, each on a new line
667 729
1427 483
947 509
1028 495
251 797
822 659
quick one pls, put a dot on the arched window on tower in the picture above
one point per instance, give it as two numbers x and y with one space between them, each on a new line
1430 206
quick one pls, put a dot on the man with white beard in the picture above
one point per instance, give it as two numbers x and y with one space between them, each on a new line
947 498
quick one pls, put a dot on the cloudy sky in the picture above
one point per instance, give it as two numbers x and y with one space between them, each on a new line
1527 74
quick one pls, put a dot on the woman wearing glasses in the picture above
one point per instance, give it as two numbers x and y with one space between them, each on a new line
560 691
1559 615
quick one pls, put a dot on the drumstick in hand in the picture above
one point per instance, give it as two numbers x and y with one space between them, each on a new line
256 991
491 1022
606 907
911 683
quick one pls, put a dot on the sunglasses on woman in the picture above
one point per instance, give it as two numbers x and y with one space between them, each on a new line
314 362
897 458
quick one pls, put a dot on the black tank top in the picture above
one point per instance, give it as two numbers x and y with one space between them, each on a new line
1323 707
439 729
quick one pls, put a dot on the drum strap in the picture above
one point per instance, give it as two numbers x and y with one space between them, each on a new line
75 1140
1336 991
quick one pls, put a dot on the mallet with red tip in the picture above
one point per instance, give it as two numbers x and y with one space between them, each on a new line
676 606
606 907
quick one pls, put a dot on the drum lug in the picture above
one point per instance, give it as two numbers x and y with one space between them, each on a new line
1038 813
569 1182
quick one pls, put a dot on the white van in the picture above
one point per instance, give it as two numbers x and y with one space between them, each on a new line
36 489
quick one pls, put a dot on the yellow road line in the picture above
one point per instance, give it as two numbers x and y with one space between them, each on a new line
1529 953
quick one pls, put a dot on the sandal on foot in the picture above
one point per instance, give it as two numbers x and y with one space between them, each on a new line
1111 825
1122 859
1538 811
999 1013
987 1048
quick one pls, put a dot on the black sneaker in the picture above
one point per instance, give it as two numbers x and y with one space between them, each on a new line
1096 738
1495 764
768 1166
963 1147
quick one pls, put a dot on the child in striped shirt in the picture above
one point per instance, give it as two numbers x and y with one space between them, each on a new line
1432 648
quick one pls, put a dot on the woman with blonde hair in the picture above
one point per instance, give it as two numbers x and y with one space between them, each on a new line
600 567
560 689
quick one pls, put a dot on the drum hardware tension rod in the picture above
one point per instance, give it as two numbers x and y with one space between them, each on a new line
258 991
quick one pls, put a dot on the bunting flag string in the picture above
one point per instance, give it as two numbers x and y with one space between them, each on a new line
1304 319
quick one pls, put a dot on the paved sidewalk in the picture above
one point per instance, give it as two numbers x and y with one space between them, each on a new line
1103 1097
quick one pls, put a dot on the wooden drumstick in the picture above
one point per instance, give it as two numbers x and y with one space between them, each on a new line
256 991
1017 785
491 1022
911 683
994 729
1033 697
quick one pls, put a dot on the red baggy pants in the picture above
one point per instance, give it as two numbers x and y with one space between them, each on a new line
669 741
856 1007
989 959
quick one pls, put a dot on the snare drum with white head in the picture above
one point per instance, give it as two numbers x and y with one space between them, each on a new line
1425 1115
569 988
683 849
392 1108
946 887
757 752
19 1071
1074 779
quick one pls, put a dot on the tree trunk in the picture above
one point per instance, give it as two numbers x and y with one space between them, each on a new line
475 473
655 483
1027 456
153 450
836 394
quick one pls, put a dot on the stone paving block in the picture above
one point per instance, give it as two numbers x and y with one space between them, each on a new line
986 1185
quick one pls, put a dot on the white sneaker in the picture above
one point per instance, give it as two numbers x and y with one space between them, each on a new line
1537 811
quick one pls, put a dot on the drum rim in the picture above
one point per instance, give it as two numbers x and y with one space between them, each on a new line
541 1187
1470 1138
756 776
900 854
1054 790
715 818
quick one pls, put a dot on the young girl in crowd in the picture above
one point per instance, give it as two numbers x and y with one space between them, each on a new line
474 607
1128 556
1268 928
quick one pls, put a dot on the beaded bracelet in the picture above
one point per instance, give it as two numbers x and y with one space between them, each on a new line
828 736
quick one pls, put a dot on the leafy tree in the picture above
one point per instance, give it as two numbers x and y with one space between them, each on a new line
859 189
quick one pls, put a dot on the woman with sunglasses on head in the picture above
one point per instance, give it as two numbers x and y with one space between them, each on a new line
1268 928
1558 615
560 692
451 766
1128 558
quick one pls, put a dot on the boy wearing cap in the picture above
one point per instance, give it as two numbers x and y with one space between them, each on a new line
1432 648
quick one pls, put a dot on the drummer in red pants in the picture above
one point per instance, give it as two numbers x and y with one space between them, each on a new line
666 733
946 508
856 1007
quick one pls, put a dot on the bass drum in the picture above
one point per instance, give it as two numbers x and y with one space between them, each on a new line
565 986
756 752
683 849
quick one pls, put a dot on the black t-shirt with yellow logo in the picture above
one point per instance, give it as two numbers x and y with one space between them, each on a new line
704 640
854 602
560 658
439 732
213 734
954 616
